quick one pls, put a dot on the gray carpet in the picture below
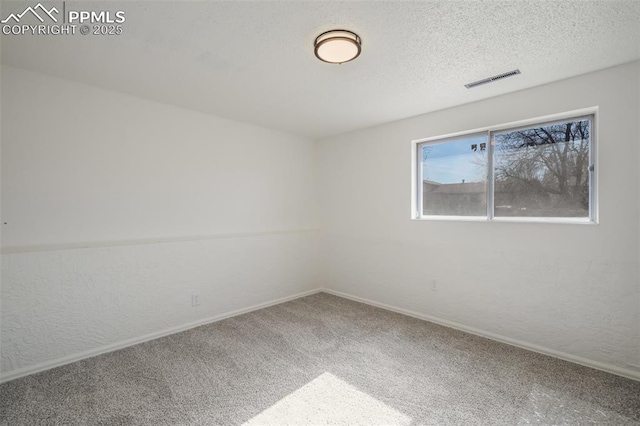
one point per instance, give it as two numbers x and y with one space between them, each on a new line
320 360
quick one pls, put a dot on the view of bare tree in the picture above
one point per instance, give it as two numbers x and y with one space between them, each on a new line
543 171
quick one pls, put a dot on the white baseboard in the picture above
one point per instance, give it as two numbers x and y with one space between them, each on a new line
620 371
36 368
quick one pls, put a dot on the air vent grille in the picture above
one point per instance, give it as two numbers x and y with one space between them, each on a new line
492 79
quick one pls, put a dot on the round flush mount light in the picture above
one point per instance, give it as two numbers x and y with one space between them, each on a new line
337 46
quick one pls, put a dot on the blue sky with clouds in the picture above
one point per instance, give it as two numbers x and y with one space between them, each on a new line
451 162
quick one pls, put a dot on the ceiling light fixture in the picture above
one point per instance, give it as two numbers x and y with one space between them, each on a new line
337 46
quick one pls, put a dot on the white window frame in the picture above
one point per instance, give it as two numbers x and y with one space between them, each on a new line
416 169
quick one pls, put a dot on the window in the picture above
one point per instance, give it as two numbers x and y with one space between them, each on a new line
454 177
540 171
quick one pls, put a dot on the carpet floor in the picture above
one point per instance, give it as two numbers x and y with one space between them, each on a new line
320 360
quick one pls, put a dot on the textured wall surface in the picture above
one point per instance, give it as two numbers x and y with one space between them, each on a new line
167 202
60 303
638 261
569 288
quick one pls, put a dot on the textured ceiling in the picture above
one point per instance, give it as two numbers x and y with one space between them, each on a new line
254 61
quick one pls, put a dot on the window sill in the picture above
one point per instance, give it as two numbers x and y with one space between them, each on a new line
550 220
453 218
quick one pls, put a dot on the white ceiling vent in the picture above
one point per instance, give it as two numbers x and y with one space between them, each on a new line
492 79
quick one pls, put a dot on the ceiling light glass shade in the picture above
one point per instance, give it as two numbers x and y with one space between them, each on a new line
337 46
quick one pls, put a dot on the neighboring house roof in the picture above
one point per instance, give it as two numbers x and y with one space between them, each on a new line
454 188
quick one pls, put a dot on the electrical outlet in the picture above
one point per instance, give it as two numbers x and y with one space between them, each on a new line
434 285
195 299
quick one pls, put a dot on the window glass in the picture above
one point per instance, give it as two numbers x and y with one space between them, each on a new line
538 171
543 171
454 177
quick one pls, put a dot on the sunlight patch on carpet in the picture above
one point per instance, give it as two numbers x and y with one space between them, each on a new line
329 400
